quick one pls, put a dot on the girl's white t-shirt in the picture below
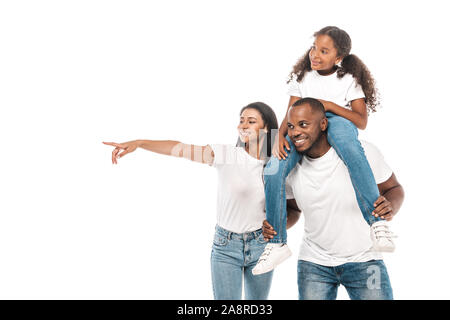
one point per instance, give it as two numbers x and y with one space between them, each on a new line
240 192
330 88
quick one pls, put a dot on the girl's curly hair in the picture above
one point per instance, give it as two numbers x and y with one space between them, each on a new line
350 64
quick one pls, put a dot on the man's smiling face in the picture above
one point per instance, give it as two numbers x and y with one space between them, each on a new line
305 126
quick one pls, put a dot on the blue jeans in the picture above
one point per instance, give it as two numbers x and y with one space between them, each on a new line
343 137
362 280
233 257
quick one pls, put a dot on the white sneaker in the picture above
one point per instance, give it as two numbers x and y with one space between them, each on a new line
273 255
382 237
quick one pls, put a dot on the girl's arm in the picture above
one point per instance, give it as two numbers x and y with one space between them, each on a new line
278 148
358 114
283 126
202 154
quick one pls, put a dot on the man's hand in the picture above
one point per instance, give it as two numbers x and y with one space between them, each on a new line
383 209
268 231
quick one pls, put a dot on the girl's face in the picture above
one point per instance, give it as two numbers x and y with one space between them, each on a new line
249 125
323 55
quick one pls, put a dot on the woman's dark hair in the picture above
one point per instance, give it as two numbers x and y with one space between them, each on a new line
350 64
270 120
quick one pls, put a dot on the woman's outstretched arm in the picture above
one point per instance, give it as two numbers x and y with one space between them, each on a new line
202 154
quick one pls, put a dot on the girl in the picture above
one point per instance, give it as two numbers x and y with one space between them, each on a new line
238 240
344 85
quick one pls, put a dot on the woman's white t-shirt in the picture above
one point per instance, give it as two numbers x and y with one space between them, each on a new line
240 192
341 91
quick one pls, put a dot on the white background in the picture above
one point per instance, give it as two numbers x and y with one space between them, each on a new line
76 73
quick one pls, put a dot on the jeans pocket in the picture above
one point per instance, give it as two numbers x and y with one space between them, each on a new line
260 239
220 240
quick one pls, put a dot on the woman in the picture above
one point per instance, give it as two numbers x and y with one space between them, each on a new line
238 240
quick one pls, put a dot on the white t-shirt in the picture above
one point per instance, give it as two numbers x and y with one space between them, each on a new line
335 230
330 88
240 193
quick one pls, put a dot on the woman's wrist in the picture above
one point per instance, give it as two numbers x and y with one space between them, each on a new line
138 143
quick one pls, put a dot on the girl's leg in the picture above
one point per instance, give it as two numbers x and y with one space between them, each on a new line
343 137
275 174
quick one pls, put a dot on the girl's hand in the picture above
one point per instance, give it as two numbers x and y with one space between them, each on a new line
278 149
126 146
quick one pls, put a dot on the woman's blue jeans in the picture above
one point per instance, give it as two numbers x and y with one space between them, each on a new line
343 137
233 257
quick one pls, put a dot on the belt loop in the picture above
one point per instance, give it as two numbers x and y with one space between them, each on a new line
229 235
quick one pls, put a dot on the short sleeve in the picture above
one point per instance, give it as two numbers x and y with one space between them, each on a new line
219 154
294 89
354 92
381 170
223 154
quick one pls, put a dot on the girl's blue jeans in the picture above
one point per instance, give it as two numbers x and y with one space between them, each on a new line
343 137
233 257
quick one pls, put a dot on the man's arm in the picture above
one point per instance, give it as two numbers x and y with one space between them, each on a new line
293 214
390 200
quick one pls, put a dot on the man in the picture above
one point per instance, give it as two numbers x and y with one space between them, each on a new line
337 245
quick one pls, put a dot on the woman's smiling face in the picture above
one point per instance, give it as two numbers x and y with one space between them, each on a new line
250 123
323 54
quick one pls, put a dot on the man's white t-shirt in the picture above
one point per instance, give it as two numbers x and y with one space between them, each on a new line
335 230
240 192
330 88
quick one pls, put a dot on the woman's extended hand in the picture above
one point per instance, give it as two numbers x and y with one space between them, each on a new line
126 146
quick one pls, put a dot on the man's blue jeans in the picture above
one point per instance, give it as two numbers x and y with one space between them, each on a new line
343 137
362 280
233 257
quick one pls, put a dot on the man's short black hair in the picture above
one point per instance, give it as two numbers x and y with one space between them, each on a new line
315 104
